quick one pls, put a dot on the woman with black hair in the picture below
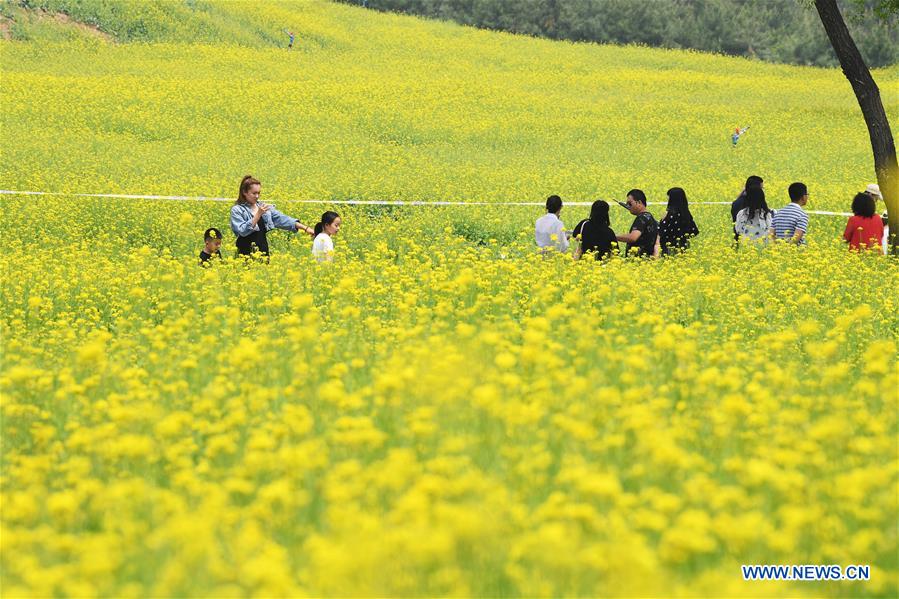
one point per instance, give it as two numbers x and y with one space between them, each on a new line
595 233
677 226
864 229
325 229
754 220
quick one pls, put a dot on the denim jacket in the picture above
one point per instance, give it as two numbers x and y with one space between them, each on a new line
242 219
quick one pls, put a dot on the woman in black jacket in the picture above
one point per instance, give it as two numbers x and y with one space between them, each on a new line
595 234
677 227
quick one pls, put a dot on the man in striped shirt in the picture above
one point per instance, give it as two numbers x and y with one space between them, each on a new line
790 223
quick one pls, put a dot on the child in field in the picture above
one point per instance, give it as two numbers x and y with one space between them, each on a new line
290 35
323 245
864 231
213 244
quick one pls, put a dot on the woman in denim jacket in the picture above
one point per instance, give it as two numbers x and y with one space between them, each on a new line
250 219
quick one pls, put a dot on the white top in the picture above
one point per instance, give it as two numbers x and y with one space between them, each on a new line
322 246
545 228
754 229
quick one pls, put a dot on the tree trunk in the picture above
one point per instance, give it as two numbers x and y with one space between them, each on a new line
868 96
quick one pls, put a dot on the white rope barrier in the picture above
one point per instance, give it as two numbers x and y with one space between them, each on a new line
345 202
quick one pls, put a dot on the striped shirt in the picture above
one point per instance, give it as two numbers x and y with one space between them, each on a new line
788 220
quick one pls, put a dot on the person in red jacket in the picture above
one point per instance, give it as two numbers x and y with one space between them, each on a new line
865 228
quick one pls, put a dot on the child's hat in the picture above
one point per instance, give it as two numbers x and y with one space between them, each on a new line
874 190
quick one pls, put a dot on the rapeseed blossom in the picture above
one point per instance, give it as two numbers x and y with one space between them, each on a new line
235 430
440 411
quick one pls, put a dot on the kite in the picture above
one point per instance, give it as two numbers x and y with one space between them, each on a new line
738 133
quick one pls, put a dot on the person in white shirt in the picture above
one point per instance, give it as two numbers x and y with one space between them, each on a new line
322 245
873 190
549 231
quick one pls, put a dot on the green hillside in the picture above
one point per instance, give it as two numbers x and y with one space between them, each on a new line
195 21
380 106
784 31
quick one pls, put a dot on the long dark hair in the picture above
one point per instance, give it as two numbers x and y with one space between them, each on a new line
599 213
755 202
677 202
246 183
327 218
753 181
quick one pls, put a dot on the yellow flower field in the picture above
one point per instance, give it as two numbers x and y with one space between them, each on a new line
430 416
373 106
440 411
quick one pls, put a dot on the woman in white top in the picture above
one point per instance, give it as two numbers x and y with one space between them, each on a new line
323 246
754 221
